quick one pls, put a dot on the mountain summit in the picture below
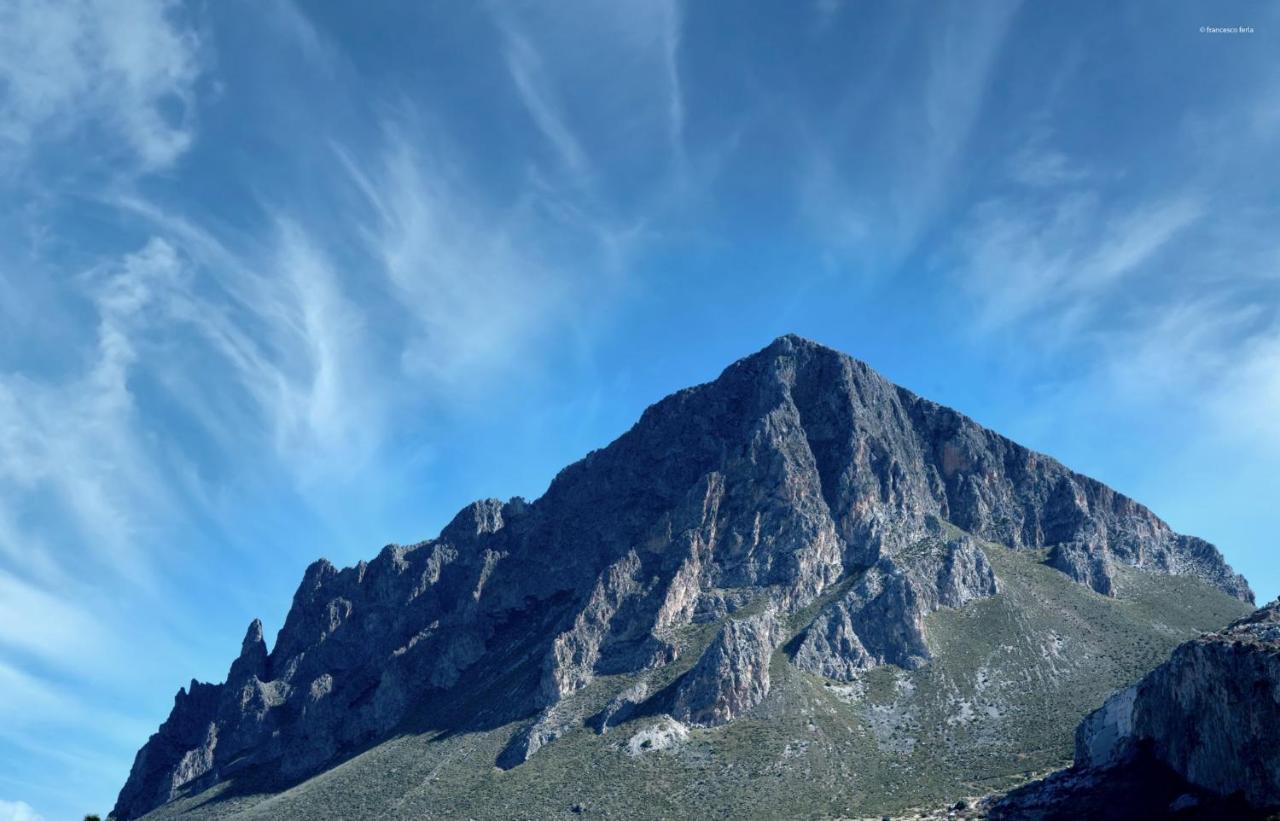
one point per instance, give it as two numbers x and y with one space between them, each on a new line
800 519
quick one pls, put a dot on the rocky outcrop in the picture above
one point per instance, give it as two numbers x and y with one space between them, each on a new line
178 754
621 707
1087 564
796 470
549 725
881 619
1197 733
1209 714
1105 738
665 734
732 675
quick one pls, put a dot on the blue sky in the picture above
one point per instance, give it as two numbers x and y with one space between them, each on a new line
286 281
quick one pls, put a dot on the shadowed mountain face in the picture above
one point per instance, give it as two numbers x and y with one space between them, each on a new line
799 486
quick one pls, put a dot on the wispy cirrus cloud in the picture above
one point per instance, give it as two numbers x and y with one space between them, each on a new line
471 279
36 702
88 489
1215 355
290 343
1039 166
1136 284
873 215
124 69
259 349
1025 257
671 34
257 344
41 623
73 444
527 73
92 93
601 85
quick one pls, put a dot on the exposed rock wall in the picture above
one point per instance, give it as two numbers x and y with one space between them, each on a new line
797 468
881 619
1210 714
732 675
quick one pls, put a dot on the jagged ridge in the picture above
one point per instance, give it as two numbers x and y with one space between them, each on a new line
797 468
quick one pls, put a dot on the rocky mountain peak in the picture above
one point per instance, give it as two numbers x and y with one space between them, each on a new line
253 658
476 520
799 485
252 636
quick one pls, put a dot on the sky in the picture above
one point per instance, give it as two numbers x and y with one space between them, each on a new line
281 281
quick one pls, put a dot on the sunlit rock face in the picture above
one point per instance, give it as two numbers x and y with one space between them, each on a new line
798 481
881 619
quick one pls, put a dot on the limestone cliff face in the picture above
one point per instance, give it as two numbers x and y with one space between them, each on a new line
796 470
732 675
881 619
1210 714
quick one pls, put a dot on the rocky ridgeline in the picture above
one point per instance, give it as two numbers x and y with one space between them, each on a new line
798 479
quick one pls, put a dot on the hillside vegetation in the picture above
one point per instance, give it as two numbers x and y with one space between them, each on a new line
1011 677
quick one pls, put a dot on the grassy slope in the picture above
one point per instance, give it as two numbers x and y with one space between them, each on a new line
1012 677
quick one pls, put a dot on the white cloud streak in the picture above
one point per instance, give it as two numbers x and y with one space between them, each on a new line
671 38
1043 168
604 76
74 444
963 51
536 93
262 345
1219 356
921 128
471 279
42 624
18 811
1141 290
1059 258
125 67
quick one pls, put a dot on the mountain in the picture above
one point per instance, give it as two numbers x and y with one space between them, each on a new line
1196 736
798 572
